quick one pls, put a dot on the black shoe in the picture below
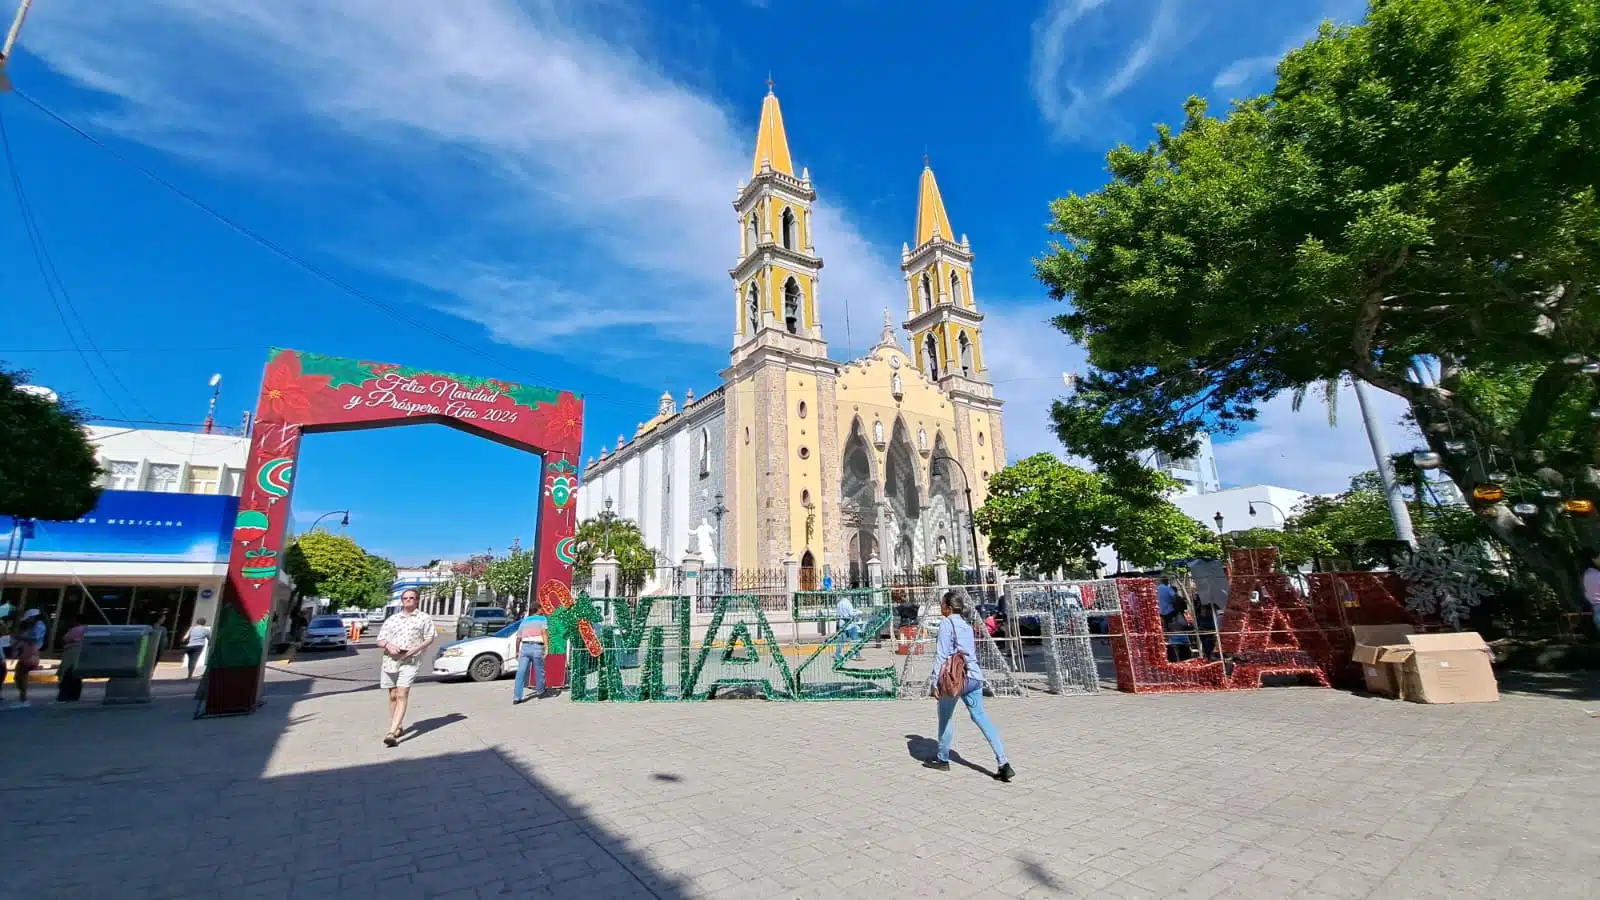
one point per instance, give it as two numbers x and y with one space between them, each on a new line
1005 774
938 765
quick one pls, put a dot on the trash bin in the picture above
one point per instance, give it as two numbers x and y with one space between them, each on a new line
124 654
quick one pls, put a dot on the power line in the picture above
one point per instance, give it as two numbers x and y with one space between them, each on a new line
265 242
139 349
53 285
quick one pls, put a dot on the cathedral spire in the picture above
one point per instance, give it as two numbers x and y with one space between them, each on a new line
772 144
931 218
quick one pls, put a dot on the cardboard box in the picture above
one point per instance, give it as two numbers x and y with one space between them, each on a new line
1449 668
1425 668
1380 650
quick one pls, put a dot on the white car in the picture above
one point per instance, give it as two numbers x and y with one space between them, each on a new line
482 658
359 620
325 632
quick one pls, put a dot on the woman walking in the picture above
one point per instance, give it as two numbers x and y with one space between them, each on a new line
956 675
195 642
69 684
28 639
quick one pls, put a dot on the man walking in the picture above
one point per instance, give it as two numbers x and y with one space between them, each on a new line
528 647
403 638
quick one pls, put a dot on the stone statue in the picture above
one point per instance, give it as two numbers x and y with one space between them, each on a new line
704 543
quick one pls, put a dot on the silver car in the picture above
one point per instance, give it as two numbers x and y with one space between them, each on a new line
325 633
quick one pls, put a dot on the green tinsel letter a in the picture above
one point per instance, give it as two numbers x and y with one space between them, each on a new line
739 640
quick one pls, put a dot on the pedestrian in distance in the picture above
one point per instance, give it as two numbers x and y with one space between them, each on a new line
528 647
957 676
195 642
69 684
849 630
403 638
27 640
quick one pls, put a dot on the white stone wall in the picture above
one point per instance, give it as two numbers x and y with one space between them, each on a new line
147 459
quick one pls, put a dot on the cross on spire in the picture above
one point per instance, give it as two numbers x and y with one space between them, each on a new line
770 84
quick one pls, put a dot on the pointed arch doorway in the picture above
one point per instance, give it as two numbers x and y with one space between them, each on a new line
307 393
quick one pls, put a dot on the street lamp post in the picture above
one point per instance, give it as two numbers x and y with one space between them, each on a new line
719 511
972 522
1275 508
343 523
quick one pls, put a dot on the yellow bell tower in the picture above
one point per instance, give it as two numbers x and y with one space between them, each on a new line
947 334
781 436
945 325
775 280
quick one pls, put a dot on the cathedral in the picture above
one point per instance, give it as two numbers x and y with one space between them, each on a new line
799 456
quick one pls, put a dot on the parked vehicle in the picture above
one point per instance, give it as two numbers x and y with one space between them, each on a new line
482 658
481 621
358 619
325 633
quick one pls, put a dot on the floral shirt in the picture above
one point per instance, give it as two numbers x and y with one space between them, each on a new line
407 631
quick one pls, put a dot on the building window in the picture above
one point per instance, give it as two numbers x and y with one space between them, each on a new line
162 478
753 308
122 475
805 452
791 306
788 226
203 480
955 289
802 409
231 478
805 499
980 439
930 353
927 291
747 434
965 347
750 235
705 451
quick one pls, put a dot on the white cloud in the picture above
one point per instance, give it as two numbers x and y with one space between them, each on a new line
1247 71
1243 71
615 181
1299 450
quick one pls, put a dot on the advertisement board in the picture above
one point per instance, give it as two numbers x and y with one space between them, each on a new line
140 526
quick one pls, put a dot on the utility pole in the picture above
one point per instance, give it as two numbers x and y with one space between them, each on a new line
1398 511
11 41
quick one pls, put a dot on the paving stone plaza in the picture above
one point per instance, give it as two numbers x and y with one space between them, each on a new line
1286 792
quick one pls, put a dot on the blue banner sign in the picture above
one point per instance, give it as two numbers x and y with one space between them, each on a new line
140 526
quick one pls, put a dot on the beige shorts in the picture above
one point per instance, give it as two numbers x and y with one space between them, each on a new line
398 672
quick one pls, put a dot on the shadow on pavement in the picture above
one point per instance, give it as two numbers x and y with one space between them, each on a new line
923 749
147 802
418 729
1565 685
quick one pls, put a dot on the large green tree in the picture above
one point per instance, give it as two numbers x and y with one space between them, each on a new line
336 567
1419 188
508 576
1043 514
48 468
620 538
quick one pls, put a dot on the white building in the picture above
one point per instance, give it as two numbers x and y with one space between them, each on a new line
1197 474
168 462
1272 505
154 549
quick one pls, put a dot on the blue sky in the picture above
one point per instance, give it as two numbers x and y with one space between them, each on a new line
549 184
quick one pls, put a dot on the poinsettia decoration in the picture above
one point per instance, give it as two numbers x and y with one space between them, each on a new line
284 390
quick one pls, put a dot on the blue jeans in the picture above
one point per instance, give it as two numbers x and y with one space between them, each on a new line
532 655
847 635
947 725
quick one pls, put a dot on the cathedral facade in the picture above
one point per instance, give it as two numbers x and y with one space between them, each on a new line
799 456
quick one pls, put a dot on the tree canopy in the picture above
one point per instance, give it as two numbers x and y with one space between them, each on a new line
508 576
336 567
1418 190
1043 514
623 540
48 468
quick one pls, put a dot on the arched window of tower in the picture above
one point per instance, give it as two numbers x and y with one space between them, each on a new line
791 306
750 235
788 226
930 351
966 354
927 291
753 308
955 289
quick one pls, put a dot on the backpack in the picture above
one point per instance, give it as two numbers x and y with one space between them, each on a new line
953 677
